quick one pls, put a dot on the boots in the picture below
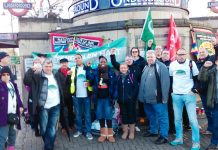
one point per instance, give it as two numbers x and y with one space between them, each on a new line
103 135
125 131
131 131
110 135
10 148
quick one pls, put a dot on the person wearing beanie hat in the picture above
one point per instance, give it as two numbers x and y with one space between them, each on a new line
63 60
12 104
5 69
4 61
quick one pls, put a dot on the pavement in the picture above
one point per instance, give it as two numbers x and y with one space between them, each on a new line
26 140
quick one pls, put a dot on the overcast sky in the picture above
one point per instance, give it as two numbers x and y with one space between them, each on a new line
197 8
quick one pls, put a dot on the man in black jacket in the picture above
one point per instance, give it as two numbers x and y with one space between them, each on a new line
62 73
202 87
47 99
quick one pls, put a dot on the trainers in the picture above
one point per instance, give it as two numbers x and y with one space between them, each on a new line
212 147
77 134
176 142
195 146
89 136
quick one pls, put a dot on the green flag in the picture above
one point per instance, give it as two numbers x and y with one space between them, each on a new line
148 32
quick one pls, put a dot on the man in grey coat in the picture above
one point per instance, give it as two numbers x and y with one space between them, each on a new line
153 92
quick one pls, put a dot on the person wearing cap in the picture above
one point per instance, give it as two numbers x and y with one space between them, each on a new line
47 98
62 73
11 105
104 89
4 61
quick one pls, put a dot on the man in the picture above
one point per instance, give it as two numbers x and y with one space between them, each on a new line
81 91
165 58
202 87
153 92
47 99
4 61
62 71
208 73
158 52
184 78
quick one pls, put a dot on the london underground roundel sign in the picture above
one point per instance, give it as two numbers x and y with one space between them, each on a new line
214 6
17 9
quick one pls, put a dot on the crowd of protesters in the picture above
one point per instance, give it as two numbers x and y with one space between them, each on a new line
164 91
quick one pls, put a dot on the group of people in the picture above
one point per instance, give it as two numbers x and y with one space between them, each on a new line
161 87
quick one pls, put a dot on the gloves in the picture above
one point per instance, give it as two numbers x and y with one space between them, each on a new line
194 90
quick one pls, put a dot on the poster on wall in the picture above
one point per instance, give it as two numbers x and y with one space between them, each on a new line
203 39
64 42
90 55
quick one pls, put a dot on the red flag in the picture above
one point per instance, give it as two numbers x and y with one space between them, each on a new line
174 40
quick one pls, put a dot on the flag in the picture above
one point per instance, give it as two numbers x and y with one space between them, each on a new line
194 49
148 32
174 40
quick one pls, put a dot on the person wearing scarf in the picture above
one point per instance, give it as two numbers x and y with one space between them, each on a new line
62 73
104 80
127 93
10 104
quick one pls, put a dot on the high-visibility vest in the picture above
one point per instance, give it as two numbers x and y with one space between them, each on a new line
72 86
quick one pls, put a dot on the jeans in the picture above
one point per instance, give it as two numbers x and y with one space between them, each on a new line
189 101
48 119
81 104
214 120
157 114
104 109
208 111
9 132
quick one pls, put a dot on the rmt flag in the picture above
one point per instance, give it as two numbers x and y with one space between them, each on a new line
174 40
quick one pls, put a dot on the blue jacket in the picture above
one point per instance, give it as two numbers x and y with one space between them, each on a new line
112 83
127 90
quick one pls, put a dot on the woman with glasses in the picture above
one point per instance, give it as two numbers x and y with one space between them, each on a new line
140 62
10 109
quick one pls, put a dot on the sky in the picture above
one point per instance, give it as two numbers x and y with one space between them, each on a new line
9 23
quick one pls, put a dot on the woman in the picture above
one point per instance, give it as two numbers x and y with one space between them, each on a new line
11 108
127 91
140 62
104 80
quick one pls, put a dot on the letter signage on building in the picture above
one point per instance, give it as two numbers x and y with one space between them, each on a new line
17 9
85 6
213 5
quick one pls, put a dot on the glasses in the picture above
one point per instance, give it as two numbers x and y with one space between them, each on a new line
5 74
134 51
181 54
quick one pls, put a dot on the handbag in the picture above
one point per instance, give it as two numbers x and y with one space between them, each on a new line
13 119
